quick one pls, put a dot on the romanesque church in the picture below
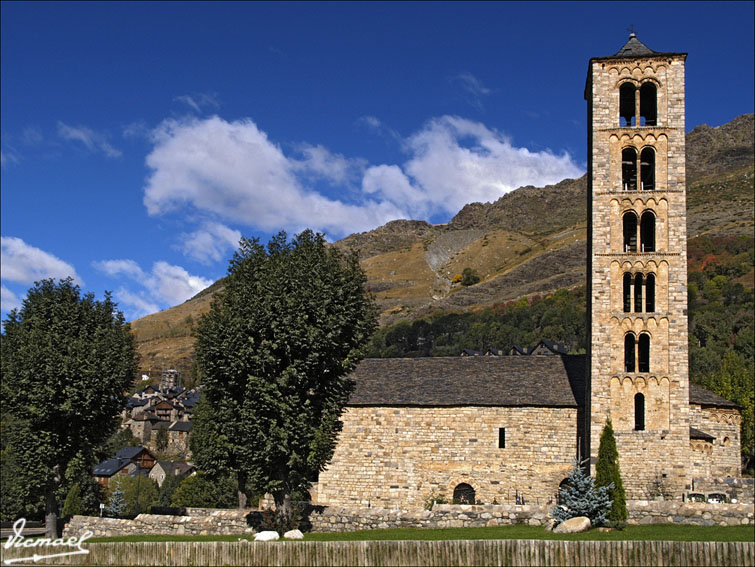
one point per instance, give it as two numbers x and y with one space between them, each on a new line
508 428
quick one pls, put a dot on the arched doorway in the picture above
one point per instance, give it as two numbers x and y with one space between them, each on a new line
464 494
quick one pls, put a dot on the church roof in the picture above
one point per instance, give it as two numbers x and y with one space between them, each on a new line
635 48
502 381
703 397
698 434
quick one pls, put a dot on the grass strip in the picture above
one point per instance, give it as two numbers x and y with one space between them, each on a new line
653 532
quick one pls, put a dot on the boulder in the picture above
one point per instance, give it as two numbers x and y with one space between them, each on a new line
293 534
573 525
266 536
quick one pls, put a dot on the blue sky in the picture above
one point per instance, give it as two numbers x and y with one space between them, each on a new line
141 140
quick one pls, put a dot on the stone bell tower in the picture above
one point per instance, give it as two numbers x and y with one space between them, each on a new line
637 266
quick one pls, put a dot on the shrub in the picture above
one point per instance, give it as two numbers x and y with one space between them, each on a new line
580 497
198 491
469 277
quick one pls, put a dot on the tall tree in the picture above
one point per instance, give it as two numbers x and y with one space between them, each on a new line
66 362
275 352
607 473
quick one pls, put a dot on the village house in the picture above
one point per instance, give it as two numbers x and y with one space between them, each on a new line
129 460
163 469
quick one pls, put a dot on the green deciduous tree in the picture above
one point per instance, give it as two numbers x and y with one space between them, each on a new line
66 362
73 506
170 483
199 491
140 492
275 352
607 473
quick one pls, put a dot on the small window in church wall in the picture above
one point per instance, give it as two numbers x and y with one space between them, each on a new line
639 412
501 437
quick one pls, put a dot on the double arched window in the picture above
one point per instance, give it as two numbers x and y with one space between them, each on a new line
646 227
637 353
638 107
639 293
630 167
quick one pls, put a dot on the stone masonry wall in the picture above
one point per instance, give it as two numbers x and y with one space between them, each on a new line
722 456
214 522
388 457
660 452
334 519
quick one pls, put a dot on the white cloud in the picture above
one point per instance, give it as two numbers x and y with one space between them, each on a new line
390 182
458 161
25 264
140 306
333 167
210 242
94 141
8 300
165 284
233 173
116 268
196 101
232 170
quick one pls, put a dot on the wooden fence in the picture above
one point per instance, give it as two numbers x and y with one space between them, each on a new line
409 553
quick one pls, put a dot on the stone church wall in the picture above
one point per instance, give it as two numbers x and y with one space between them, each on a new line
721 457
400 456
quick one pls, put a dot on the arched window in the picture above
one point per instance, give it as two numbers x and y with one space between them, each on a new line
464 494
643 353
650 293
629 169
647 232
629 352
627 292
647 169
648 105
627 105
638 293
639 412
630 231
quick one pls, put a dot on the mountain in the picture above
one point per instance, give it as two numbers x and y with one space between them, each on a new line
530 241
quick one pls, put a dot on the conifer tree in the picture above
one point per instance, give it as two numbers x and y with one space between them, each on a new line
580 497
607 473
116 504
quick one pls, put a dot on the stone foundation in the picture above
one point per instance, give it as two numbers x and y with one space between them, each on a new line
333 519
212 522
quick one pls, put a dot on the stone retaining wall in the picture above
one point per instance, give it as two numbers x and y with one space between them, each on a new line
212 522
333 519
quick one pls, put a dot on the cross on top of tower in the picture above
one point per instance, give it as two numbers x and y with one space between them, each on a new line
632 31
